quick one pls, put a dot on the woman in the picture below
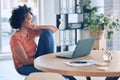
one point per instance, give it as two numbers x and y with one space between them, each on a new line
22 42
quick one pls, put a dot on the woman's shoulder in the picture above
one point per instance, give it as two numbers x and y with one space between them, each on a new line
15 36
15 39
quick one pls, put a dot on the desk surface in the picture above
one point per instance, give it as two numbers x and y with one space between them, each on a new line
51 63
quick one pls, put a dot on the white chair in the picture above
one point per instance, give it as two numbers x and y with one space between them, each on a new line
44 76
16 67
41 75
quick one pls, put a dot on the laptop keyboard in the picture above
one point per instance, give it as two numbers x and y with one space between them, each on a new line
67 54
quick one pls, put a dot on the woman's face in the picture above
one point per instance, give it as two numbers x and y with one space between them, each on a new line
28 23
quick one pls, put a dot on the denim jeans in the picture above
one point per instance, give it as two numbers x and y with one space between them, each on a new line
45 44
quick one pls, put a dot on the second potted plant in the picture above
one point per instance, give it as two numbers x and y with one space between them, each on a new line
97 23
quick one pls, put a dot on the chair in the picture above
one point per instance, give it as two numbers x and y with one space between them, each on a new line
44 76
41 75
16 67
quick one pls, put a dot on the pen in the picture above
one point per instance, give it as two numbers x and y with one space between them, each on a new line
77 62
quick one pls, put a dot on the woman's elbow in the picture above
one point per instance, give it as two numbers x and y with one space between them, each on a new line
28 61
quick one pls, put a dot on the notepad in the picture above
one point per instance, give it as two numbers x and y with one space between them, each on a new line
103 68
81 63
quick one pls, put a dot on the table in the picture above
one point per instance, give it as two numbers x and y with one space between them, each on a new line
51 63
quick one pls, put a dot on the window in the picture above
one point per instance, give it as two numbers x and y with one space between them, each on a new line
5 29
112 7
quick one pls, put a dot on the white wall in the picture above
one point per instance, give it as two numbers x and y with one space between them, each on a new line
49 17
0 26
99 3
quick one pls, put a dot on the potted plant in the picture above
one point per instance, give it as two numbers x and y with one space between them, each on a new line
96 22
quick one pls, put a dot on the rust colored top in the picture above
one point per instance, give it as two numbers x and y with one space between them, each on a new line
28 43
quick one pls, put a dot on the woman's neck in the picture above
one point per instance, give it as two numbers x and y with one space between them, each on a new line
23 32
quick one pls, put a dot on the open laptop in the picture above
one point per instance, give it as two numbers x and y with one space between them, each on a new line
83 48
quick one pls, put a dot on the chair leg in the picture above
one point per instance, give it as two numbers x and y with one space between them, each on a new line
88 78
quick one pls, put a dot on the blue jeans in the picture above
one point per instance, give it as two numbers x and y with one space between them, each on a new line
45 46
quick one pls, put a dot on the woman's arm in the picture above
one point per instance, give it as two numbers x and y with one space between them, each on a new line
50 27
22 56
42 27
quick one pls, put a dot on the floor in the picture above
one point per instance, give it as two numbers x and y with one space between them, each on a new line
8 72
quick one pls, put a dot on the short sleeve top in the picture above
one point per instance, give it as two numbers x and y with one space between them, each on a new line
28 43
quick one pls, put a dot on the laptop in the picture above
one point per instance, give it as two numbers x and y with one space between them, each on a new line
83 48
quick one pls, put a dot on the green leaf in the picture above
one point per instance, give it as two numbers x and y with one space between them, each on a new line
109 34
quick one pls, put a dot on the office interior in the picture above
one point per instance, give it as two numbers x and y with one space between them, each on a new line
65 16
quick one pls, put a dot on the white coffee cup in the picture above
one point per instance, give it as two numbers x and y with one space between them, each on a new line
107 57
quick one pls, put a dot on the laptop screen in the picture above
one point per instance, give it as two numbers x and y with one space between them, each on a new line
84 47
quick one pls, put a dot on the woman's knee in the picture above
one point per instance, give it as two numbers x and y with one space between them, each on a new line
48 32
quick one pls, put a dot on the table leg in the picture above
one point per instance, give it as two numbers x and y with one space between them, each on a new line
69 77
88 78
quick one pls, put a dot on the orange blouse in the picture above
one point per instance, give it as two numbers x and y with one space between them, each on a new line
28 43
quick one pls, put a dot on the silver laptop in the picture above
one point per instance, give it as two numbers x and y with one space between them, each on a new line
83 48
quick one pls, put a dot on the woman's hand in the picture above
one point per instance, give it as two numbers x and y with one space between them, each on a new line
34 26
22 55
42 27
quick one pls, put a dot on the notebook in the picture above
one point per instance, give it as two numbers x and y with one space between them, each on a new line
83 48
